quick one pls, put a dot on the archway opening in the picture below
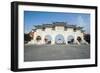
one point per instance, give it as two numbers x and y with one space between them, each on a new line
70 39
59 39
38 38
48 39
79 39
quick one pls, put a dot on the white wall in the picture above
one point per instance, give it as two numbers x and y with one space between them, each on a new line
5 36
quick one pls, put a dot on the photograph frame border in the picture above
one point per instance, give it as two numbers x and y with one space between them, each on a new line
14 35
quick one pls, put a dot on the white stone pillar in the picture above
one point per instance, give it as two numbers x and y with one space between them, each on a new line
65 39
42 40
53 40
75 40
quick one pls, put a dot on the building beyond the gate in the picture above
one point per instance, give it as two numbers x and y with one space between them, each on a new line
58 33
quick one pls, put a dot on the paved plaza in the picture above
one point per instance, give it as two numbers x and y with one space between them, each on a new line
55 52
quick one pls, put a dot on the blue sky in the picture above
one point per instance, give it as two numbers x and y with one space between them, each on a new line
32 18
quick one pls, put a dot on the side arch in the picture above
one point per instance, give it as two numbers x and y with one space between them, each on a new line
38 38
48 39
79 39
70 39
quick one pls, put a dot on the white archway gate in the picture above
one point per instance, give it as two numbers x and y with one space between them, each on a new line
64 37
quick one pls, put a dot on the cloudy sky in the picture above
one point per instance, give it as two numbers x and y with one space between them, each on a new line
32 18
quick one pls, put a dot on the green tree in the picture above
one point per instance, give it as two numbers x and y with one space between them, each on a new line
87 37
27 38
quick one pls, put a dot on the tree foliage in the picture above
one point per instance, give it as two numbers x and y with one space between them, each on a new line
87 37
27 38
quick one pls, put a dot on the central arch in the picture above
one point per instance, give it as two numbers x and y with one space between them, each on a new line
59 39
70 39
48 39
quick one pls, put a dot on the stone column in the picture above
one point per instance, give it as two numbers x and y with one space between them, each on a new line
42 40
53 40
75 40
65 39
34 39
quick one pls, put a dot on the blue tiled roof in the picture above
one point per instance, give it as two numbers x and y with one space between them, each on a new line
57 24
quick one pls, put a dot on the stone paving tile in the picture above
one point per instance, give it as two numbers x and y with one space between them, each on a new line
55 52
